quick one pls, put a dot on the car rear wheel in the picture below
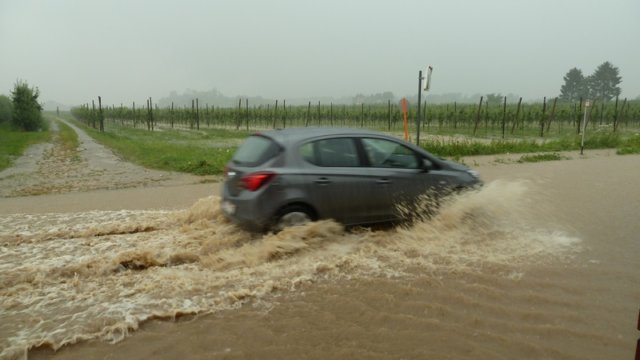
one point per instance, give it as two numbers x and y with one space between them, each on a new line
292 216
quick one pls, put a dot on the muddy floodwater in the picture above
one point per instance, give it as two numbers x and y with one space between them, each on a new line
542 263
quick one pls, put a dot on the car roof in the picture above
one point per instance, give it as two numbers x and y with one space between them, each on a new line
293 135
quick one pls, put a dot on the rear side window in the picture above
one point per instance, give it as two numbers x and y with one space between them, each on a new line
338 152
256 150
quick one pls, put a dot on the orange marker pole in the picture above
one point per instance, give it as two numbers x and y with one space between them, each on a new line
405 108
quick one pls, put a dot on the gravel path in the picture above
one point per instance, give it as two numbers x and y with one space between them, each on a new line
51 168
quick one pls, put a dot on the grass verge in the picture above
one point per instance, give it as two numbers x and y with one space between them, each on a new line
67 137
14 143
630 146
458 148
541 157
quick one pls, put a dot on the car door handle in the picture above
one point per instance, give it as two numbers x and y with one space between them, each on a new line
322 181
383 181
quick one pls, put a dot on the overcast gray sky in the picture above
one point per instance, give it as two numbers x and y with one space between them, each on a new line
128 50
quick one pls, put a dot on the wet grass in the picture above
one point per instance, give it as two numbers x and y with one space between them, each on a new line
14 143
541 157
67 137
456 148
630 145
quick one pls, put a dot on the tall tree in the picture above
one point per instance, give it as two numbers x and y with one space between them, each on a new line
27 114
574 87
6 109
604 82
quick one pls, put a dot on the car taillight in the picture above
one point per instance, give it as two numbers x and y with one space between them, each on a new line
255 181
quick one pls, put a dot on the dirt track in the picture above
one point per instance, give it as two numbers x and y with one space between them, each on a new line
52 169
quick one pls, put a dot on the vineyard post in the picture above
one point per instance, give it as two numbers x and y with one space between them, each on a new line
308 114
515 119
553 113
486 115
389 114
148 114
197 115
475 127
615 116
246 105
93 113
275 114
425 118
284 114
331 114
193 114
207 116
602 111
362 114
455 114
542 120
238 116
504 115
623 113
101 115
150 109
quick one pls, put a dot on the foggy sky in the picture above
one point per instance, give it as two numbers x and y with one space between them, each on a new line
128 50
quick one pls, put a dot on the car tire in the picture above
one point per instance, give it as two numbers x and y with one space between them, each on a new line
293 215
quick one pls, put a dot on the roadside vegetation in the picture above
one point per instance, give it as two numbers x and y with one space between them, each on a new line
67 137
541 157
21 123
14 143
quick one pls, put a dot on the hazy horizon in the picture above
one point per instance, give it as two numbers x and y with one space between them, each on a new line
124 51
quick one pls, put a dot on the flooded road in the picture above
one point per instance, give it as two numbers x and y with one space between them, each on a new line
541 263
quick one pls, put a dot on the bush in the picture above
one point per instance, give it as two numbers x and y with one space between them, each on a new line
6 109
27 112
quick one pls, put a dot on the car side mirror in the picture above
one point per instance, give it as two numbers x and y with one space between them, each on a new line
427 164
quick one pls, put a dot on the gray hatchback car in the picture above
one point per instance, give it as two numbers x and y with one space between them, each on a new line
279 178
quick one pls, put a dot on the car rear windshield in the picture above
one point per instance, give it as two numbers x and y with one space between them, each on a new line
256 150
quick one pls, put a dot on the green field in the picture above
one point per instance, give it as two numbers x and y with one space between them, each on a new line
14 143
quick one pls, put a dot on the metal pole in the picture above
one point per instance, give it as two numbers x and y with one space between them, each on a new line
584 126
419 103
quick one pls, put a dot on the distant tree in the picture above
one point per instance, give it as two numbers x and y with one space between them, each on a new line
494 98
27 112
379 98
6 109
604 82
574 87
